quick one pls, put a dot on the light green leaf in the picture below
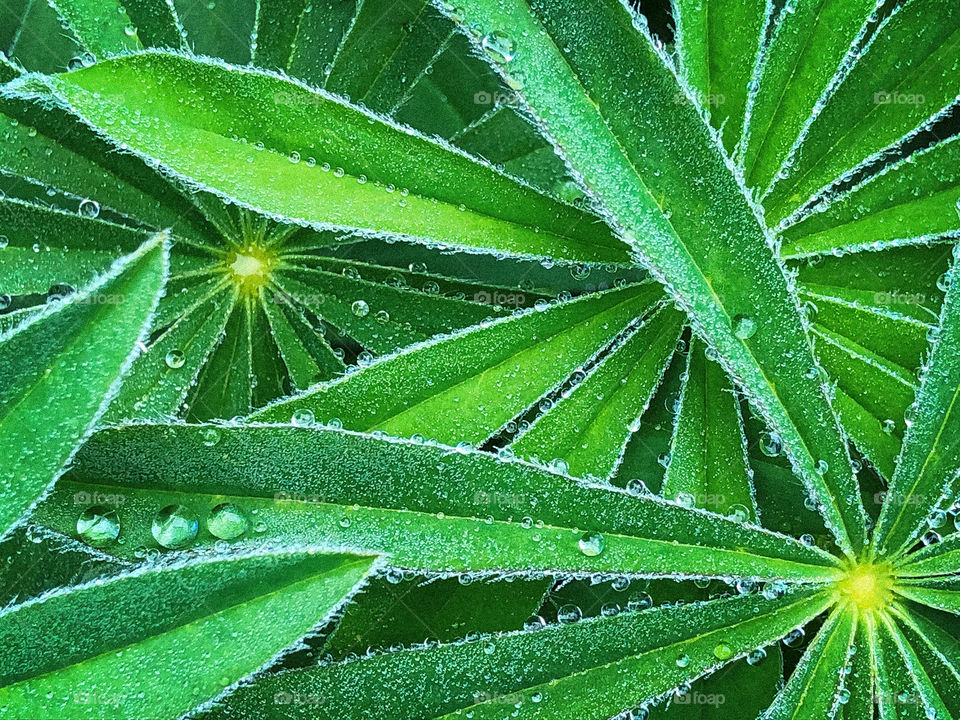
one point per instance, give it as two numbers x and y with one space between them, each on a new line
927 468
108 648
899 669
911 202
938 652
813 689
361 179
708 463
683 209
718 42
590 670
811 40
430 507
589 426
59 370
901 81
465 387
117 26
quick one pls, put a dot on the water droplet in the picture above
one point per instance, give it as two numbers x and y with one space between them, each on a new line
175 527
303 418
394 576
227 521
210 436
757 656
89 208
723 652
744 326
771 444
569 614
175 359
535 622
639 601
794 638
683 661
592 544
360 308
98 526
740 513
499 47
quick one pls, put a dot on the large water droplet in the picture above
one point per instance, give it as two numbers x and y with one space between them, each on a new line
175 359
227 521
175 527
360 308
98 526
499 47
744 326
89 208
592 544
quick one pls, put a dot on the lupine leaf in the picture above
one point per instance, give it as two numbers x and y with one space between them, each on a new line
900 81
927 467
430 507
107 647
117 26
589 427
813 687
362 174
938 652
453 389
682 208
219 29
911 202
717 42
591 670
898 668
810 39
708 462
60 369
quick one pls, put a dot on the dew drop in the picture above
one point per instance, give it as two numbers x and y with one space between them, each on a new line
303 418
756 657
723 652
744 326
89 208
569 614
175 526
227 521
175 359
592 544
771 444
360 308
98 526
499 47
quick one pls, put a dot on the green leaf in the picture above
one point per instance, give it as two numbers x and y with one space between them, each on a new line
83 248
813 689
589 427
118 26
938 558
860 682
811 42
8 70
927 468
718 42
59 370
938 652
590 670
362 178
911 202
899 669
901 82
429 507
109 648
34 560
708 463
219 29
392 611
683 209
465 387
